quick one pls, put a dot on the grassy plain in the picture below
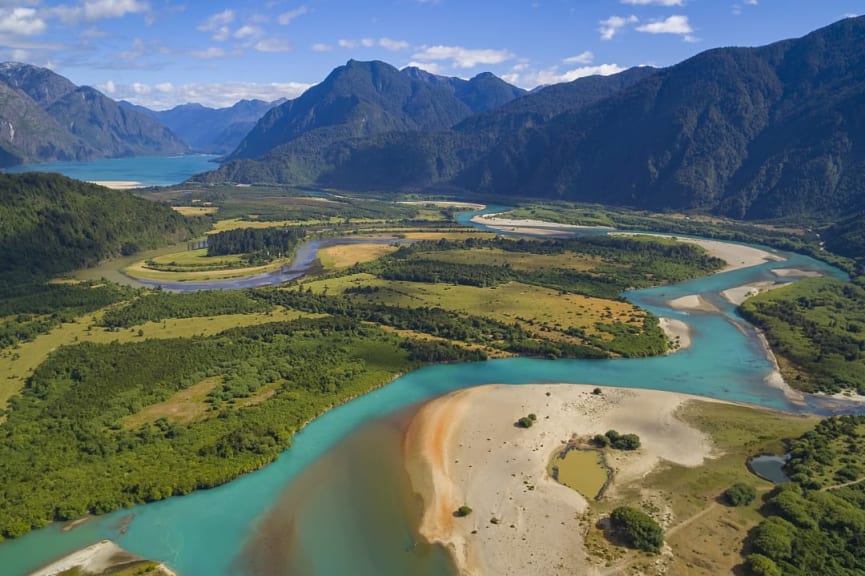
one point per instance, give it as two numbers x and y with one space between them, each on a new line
535 308
196 210
336 257
706 536
17 364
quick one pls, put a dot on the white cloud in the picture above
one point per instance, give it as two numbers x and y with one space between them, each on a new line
221 95
209 54
614 24
352 44
671 25
532 79
108 87
248 31
273 45
286 17
460 57
393 45
98 9
584 58
321 47
656 2
221 34
431 67
217 21
21 22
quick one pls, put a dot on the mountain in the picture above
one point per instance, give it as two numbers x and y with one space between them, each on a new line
418 158
46 117
751 133
53 224
210 130
363 99
744 132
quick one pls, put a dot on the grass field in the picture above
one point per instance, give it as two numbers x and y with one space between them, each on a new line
706 536
518 260
196 210
536 308
18 363
336 257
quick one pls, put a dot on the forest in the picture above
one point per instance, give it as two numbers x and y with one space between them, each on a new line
817 328
815 524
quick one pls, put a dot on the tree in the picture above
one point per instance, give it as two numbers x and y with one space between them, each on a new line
637 529
760 565
463 511
740 494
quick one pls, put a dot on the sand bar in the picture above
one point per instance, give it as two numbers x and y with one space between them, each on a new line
118 184
529 226
455 204
692 303
99 558
678 333
739 294
464 449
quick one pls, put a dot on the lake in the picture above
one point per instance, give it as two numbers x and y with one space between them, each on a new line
149 170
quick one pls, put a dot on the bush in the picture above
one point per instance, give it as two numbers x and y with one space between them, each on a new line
637 529
618 441
601 441
527 421
740 494
759 565
463 511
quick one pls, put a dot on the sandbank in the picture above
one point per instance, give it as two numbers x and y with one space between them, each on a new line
453 203
96 559
735 255
529 226
796 273
739 294
464 449
678 333
692 303
118 184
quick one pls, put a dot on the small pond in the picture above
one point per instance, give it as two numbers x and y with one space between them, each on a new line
769 468
580 470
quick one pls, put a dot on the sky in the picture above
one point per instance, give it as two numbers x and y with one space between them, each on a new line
161 53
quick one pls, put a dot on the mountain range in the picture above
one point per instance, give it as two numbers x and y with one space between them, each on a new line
210 130
46 117
751 133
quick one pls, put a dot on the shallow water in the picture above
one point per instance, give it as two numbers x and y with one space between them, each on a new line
581 470
769 468
210 533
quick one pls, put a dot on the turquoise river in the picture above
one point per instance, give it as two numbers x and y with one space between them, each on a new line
341 509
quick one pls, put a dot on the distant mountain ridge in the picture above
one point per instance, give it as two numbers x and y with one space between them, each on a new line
211 130
45 117
750 133
363 99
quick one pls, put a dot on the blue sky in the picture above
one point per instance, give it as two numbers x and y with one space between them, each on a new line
160 53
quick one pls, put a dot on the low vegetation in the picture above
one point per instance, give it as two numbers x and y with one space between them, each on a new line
615 440
636 529
815 524
740 494
817 329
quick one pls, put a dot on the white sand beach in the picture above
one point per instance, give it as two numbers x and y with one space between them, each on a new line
95 559
464 449
528 226
117 184
692 303
678 333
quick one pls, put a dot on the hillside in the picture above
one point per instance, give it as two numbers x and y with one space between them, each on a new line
363 99
45 117
749 133
53 224
416 159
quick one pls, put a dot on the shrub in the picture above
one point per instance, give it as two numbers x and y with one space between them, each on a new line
759 565
637 529
463 511
527 421
740 494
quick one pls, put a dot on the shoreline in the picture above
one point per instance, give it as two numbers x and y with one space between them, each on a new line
678 334
464 449
118 184
100 558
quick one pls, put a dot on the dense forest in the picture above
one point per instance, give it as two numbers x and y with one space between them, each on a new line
54 224
267 242
84 456
816 523
817 328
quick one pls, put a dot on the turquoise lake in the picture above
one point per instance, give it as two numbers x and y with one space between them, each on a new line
149 170
317 484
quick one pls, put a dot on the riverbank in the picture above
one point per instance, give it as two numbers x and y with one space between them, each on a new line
678 334
465 449
118 184
528 226
104 557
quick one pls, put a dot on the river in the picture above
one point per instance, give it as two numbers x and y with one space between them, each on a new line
204 534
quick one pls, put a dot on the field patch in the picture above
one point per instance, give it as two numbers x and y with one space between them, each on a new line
343 256
185 406
196 210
